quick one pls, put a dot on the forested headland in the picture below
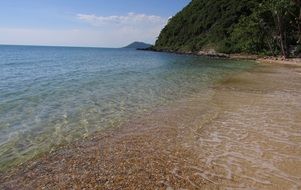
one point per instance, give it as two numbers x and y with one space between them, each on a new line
261 27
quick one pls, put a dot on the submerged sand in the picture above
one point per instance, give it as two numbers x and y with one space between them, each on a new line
244 133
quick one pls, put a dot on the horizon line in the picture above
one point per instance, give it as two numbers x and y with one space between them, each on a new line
66 46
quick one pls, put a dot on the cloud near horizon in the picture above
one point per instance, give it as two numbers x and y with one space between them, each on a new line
101 31
132 26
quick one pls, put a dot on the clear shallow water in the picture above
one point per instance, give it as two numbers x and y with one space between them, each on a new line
53 95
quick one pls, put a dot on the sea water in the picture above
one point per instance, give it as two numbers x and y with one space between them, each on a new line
54 95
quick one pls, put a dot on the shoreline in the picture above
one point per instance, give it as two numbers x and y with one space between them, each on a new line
213 140
291 61
236 56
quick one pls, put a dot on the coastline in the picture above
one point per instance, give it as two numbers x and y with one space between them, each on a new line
214 54
182 146
292 61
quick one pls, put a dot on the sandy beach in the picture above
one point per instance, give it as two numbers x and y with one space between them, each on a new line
243 133
291 61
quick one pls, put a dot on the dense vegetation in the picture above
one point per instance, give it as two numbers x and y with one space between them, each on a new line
269 27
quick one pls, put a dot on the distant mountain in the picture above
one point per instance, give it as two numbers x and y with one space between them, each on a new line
138 45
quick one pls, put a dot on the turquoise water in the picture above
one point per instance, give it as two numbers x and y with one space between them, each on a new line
53 95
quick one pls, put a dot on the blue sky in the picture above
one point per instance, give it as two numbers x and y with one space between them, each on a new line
102 23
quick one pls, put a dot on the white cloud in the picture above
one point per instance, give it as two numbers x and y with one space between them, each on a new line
132 19
129 27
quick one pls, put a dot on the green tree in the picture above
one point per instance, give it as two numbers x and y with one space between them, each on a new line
298 18
279 10
234 26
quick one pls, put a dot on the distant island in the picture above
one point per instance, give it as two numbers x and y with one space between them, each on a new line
138 45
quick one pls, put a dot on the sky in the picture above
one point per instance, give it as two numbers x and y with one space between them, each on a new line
93 23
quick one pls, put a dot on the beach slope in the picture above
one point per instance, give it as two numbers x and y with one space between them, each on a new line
244 132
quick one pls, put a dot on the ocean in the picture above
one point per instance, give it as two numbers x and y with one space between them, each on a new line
51 96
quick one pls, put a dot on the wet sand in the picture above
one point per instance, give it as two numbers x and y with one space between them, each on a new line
243 133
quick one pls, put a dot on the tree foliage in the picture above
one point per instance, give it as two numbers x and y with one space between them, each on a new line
234 26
